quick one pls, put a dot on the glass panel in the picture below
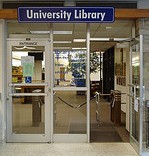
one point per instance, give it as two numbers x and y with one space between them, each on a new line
135 90
70 67
70 112
27 89
28 117
69 54
28 64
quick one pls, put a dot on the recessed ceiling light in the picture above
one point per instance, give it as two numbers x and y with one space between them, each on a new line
109 39
62 32
83 48
79 40
121 39
108 27
40 32
54 32
99 39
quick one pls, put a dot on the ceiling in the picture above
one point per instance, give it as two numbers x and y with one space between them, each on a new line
118 29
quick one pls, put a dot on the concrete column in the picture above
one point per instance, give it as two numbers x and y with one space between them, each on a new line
143 4
3 80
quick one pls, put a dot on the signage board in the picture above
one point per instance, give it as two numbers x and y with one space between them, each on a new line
66 14
28 65
28 79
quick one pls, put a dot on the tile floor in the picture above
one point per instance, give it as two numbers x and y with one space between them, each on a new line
66 149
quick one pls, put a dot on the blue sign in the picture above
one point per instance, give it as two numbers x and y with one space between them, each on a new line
28 79
66 14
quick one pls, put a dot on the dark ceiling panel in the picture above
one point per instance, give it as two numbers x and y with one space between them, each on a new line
16 4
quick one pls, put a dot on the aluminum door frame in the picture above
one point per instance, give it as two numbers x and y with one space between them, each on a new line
12 137
137 145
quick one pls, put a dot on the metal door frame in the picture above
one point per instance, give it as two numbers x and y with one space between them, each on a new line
73 137
49 134
137 145
12 137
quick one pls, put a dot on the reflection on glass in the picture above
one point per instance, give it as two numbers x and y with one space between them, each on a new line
70 67
27 89
69 44
70 112
28 64
28 117
136 91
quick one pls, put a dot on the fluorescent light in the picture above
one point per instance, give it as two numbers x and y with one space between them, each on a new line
62 32
40 32
110 39
79 48
99 52
135 58
122 39
79 40
108 27
54 32
99 39
62 48
62 42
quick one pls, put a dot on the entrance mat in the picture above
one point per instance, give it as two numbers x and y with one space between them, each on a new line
105 132
99 133
105 136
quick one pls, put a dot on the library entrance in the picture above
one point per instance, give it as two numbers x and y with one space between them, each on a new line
52 96
48 93
57 82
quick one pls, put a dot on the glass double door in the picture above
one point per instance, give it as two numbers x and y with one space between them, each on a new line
46 99
28 93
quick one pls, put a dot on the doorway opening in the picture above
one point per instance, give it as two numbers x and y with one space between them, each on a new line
111 41
108 109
